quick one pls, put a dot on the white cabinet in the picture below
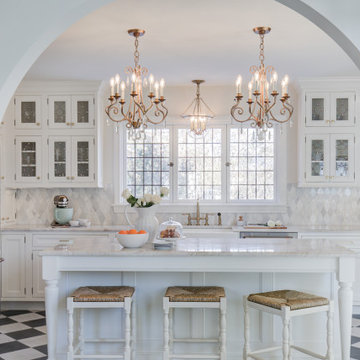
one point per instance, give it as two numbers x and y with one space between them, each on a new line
13 268
8 206
28 112
330 109
72 159
329 158
71 112
28 158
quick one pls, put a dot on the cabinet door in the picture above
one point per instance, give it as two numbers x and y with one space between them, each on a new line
317 158
342 109
59 112
342 158
13 268
83 159
28 158
8 206
28 112
317 109
59 158
83 111
38 284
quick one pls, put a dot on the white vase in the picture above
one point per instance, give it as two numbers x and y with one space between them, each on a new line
146 220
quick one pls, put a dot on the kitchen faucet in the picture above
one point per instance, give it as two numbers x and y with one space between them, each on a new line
198 216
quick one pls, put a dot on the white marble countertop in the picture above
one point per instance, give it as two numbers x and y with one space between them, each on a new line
208 247
41 228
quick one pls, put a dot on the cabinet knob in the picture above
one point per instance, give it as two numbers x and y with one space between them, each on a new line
67 124
2 218
37 124
3 177
73 177
7 218
68 178
2 123
332 121
72 124
38 177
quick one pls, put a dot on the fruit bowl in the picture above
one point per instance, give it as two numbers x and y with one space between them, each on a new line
132 240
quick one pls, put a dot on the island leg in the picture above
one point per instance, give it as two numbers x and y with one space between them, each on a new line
345 314
51 307
345 277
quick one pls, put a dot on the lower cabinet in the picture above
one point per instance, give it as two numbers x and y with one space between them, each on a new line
22 268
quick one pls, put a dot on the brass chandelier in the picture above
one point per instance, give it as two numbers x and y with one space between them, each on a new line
200 112
263 95
138 114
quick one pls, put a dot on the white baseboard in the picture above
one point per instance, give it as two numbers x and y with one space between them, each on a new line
22 305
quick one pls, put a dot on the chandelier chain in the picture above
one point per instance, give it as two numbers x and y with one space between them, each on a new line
136 52
262 55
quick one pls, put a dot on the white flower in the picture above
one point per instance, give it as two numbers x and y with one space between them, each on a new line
156 199
164 191
278 223
271 223
126 194
148 198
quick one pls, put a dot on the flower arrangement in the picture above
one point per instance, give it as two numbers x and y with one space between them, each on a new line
147 200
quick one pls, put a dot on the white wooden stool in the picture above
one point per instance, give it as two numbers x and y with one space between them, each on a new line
100 297
208 297
288 304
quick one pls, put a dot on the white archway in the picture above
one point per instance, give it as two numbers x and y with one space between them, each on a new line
30 27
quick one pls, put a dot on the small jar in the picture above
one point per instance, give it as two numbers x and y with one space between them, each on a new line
240 221
170 230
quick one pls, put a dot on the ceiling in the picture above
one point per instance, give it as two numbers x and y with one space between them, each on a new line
187 39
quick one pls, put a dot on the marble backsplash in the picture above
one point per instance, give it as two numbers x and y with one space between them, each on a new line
306 206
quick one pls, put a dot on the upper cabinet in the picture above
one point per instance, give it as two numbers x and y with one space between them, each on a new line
330 109
28 112
75 112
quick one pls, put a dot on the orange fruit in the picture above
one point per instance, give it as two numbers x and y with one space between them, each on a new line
132 231
142 232
123 232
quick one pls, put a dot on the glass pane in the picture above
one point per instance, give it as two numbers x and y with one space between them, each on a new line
28 146
59 112
83 170
317 109
60 151
317 150
342 109
198 159
28 171
342 157
317 168
60 170
28 112
83 151
82 112
28 159
252 165
149 161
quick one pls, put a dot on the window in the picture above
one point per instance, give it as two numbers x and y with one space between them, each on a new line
147 162
228 164
199 165
251 165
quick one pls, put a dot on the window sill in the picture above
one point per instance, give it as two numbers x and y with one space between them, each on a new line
173 208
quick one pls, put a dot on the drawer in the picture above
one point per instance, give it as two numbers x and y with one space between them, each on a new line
51 240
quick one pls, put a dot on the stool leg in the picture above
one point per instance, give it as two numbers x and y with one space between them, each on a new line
81 331
171 329
166 328
286 333
246 329
330 331
222 328
133 326
127 305
70 311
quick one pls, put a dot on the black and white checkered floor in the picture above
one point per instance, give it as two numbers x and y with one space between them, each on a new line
23 335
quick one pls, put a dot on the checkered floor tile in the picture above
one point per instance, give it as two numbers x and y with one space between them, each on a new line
22 335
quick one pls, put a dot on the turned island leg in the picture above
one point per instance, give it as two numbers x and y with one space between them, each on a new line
51 307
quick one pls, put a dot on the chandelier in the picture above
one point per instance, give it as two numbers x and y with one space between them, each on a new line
263 95
140 111
199 113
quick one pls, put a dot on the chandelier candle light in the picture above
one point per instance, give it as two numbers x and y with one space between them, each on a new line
262 95
138 113
200 112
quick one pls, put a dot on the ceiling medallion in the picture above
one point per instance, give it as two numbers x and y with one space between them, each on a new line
140 111
262 98
198 112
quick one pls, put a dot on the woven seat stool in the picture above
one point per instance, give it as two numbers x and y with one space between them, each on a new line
193 297
287 304
100 297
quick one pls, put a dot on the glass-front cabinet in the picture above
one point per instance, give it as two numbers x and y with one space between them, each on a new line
59 158
59 112
329 158
330 109
28 112
83 159
83 114
28 158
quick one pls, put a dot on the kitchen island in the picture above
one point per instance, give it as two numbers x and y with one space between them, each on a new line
241 266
